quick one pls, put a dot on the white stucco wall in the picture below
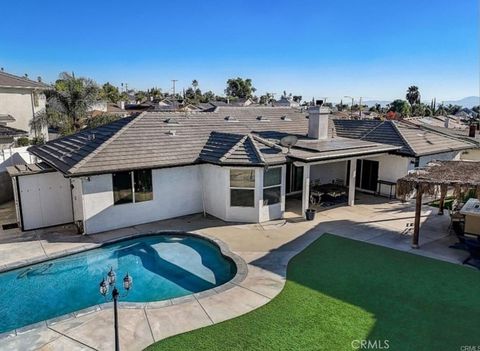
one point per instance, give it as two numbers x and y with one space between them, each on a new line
328 172
390 168
216 182
445 156
19 103
471 155
77 198
176 192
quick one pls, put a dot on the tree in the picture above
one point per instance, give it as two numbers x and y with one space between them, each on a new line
441 111
208 96
195 84
67 104
297 98
419 109
376 108
240 88
109 93
400 106
413 95
140 96
100 120
155 93
266 99
453 109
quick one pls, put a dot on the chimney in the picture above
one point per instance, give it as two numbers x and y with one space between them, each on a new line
318 121
447 119
471 130
122 105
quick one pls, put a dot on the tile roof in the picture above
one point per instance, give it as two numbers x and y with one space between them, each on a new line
11 132
237 149
4 118
414 140
10 80
151 140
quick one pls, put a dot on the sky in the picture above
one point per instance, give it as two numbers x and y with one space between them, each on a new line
373 49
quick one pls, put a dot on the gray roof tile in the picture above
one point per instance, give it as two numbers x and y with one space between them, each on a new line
147 141
10 80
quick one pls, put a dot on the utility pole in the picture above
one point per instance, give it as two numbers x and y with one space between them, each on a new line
174 96
360 107
351 106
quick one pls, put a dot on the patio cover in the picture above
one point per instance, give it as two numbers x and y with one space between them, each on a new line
438 176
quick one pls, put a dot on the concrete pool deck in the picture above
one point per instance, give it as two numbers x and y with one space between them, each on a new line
265 248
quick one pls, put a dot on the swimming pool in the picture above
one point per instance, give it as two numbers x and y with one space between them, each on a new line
163 266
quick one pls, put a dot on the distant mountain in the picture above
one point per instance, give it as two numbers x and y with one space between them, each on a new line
467 102
371 103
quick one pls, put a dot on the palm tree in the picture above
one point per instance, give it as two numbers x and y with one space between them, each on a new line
195 84
68 103
413 95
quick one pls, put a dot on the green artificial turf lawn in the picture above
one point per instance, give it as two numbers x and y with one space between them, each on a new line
339 290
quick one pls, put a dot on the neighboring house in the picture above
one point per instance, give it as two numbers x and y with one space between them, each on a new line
8 136
20 99
286 101
418 146
228 163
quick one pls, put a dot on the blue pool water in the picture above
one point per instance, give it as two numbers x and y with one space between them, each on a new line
162 267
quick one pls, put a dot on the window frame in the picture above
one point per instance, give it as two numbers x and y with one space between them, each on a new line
241 187
132 187
279 185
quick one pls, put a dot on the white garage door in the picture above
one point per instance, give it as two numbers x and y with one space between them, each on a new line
46 200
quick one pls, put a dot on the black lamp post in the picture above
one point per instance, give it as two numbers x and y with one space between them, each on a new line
107 282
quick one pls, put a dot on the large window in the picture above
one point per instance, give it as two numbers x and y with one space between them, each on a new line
242 187
132 187
272 190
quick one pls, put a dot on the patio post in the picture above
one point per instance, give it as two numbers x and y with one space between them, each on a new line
351 183
418 212
306 189
443 194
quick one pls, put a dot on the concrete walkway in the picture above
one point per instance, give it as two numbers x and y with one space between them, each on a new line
266 249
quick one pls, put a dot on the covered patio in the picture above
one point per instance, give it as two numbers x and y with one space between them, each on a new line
437 179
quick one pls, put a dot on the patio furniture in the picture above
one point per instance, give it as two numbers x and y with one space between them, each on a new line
387 183
333 190
471 211
457 221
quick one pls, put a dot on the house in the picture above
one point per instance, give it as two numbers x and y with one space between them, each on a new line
20 99
286 101
417 147
230 163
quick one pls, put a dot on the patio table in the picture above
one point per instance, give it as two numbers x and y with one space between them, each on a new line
333 190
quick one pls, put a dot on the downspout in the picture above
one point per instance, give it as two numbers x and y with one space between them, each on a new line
32 99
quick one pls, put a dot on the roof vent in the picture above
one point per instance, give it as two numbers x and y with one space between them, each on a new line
91 137
285 118
171 121
172 132
230 119
263 119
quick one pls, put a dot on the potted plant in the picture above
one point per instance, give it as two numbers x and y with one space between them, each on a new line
310 214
